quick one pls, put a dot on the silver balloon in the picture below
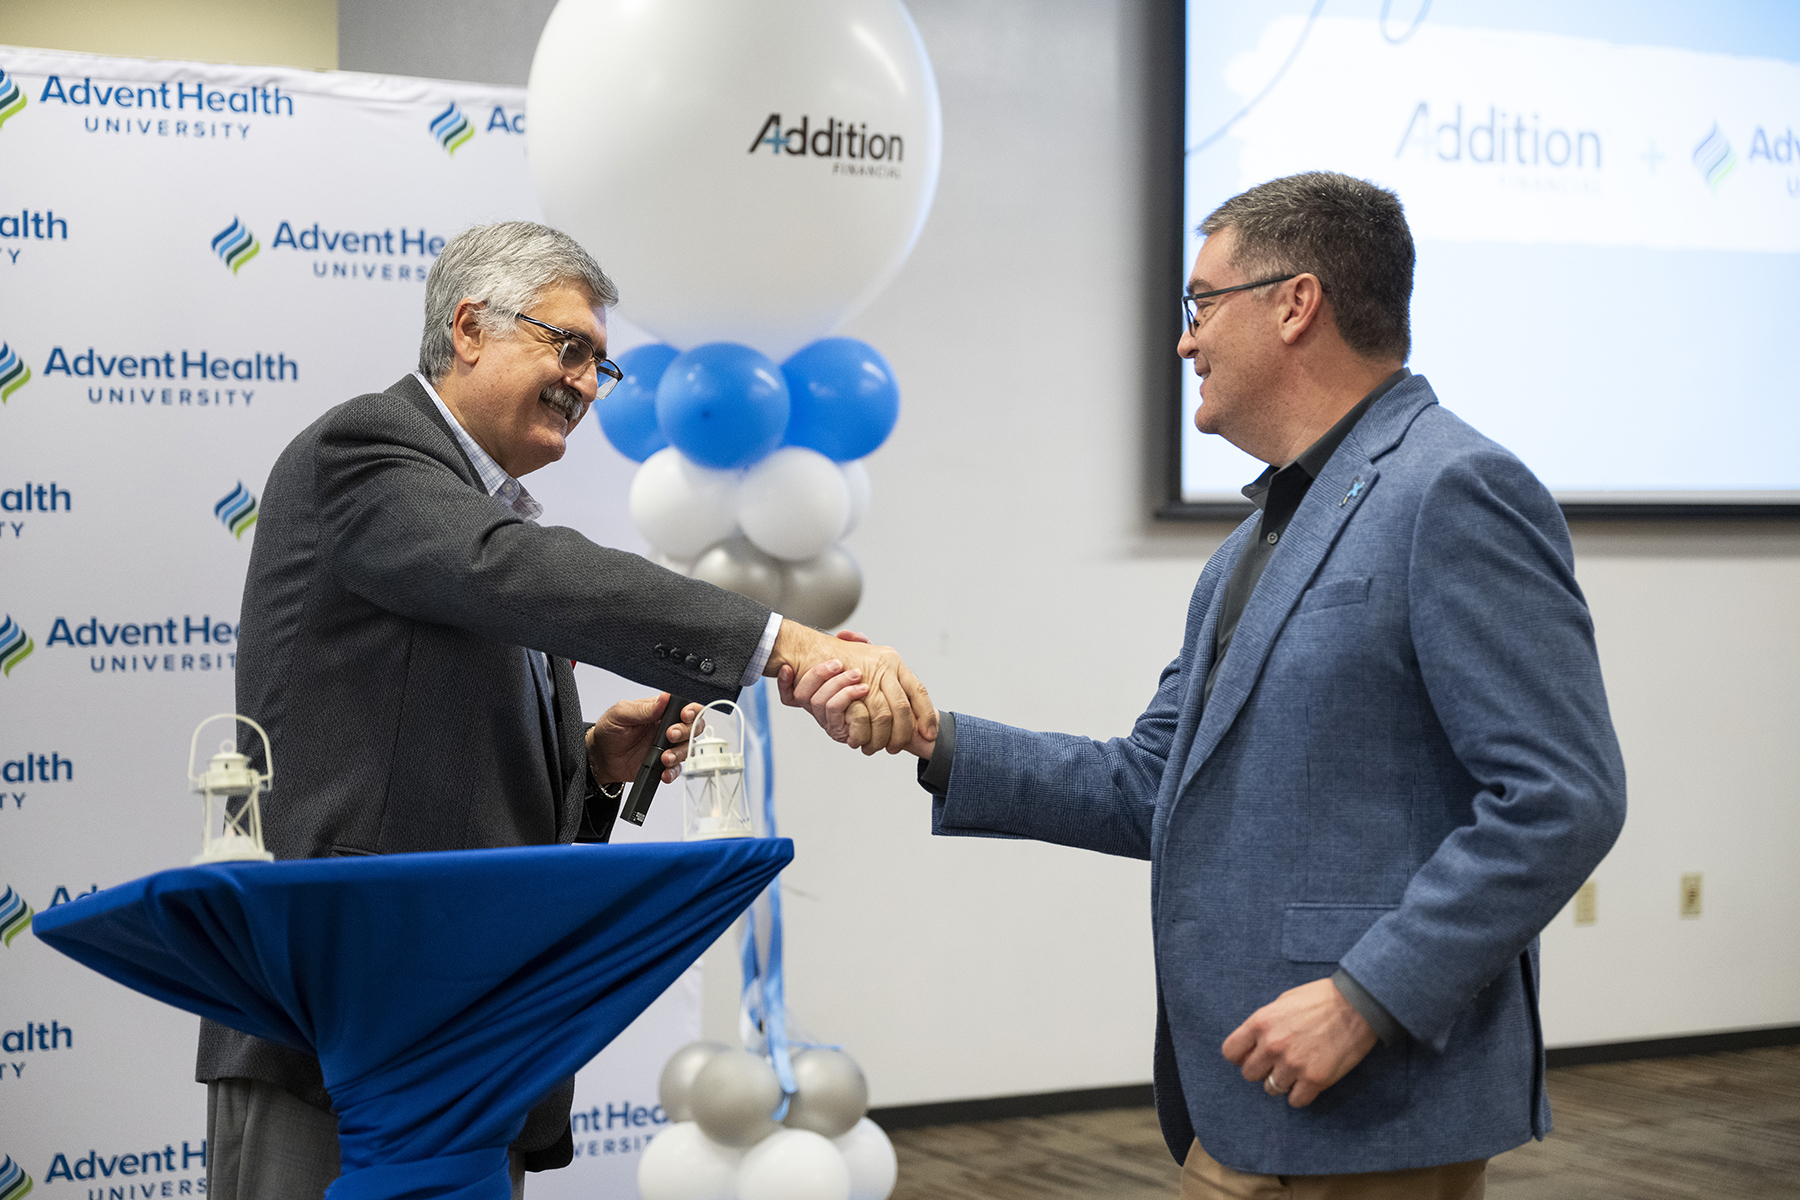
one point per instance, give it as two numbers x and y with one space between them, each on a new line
676 1086
831 1095
733 1096
737 566
821 592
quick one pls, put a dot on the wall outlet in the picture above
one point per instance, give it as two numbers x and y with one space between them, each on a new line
1690 894
1587 903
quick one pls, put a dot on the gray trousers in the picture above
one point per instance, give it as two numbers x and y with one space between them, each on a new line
265 1143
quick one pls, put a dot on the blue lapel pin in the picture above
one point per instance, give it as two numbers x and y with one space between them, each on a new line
1353 493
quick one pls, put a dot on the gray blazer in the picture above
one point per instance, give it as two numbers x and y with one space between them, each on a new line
1406 768
386 613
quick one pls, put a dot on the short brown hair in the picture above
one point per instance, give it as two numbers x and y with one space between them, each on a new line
1349 232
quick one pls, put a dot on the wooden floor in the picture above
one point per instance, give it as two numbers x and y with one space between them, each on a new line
1713 1126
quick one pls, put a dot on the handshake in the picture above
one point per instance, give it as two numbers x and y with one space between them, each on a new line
860 694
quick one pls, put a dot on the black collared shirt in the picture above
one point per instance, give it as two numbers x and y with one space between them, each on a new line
1278 491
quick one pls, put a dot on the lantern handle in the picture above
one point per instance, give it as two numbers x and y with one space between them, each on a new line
268 776
746 732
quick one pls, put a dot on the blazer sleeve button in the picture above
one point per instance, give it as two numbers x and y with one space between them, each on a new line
661 651
693 660
706 666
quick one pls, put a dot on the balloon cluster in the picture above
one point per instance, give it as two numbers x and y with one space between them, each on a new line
725 1144
751 471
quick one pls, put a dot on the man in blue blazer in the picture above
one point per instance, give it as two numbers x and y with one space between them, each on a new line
1381 763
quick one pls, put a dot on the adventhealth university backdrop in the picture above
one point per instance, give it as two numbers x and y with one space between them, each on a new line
195 263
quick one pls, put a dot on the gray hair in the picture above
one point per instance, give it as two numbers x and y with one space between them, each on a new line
508 266
1349 232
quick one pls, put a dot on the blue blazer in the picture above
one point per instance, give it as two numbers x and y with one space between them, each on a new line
1406 768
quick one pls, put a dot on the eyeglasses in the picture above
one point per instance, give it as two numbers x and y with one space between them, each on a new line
576 352
1193 314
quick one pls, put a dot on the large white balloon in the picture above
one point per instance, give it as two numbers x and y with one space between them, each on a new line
821 592
795 1164
681 507
794 503
681 1163
870 1157
751 173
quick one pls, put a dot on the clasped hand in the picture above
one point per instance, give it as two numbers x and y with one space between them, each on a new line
861 694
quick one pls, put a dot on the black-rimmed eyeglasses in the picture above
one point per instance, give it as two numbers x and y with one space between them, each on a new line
1193 314
574 354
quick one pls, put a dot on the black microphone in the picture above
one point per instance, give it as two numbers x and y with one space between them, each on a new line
643 788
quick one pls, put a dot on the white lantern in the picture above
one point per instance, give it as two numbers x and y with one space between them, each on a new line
230 818
717 806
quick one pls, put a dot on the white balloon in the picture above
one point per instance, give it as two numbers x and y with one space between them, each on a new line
870 1157
681 1163
795 1164
856 475
794 503
751 173
681 566
737 566
681 507
821 592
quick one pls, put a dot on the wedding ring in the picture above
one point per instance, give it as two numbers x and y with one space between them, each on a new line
1269 1086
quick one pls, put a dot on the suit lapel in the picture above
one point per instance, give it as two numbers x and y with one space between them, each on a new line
1335 496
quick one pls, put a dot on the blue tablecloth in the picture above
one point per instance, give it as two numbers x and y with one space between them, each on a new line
443 993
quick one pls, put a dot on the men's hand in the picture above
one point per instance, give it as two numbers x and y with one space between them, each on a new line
618 741
889 715
828 690
1301 1044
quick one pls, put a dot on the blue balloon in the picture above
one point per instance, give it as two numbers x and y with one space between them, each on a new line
722 405
845 398
628 414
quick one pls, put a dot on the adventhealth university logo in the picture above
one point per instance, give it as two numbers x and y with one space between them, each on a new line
1713 157
14 1182
237 511
451 129
14 374
236 245
15 918
15 646
12 101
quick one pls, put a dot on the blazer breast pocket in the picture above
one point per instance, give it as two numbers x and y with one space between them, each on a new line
1334 593
1324 933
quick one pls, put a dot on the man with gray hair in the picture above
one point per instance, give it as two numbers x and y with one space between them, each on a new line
408 633
1381 762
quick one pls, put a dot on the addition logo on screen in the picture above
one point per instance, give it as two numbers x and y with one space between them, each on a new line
14 1182
12 102
14 374
1713 157
15 916
15 646
236 245
451 129
237 511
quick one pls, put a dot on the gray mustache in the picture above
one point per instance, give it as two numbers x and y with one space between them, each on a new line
564 399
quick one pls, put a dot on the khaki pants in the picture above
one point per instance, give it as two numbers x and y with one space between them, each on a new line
1204 1179
264 1143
